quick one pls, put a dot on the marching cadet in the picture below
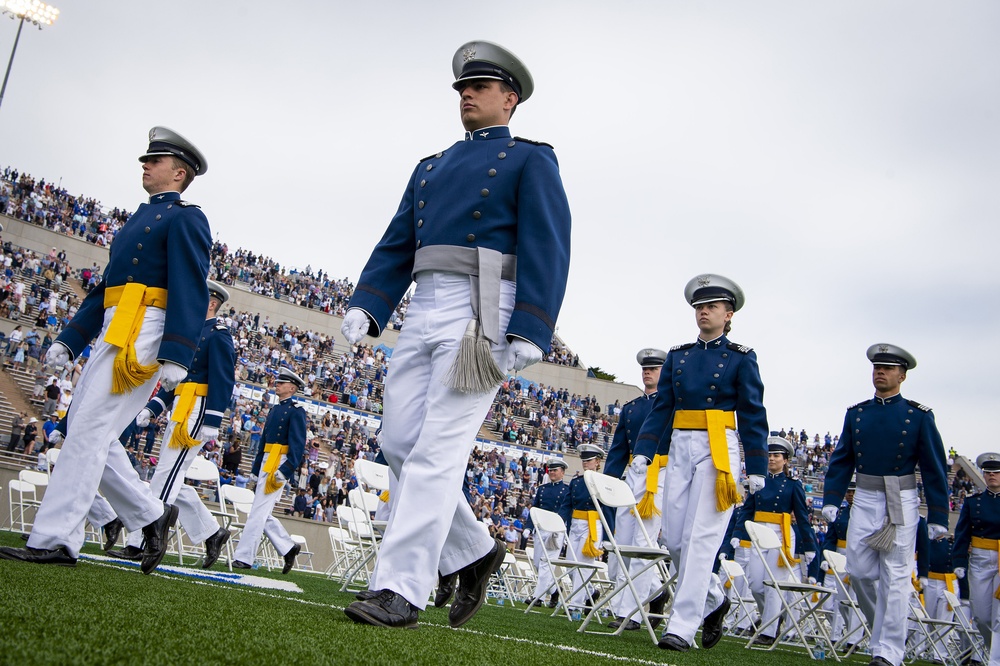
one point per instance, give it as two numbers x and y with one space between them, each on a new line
648 491
197 406
708 388
284 440
142 337
585 530
776 504
977 541
884 439
484 230
550 496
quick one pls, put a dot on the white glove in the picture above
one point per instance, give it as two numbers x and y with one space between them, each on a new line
143 419
521 354
808 556
811 580
58 354
756 483
639 464
734 542
830 512
171 375
935 531
207 434
55 437
355 325
959 572
252 478
923 582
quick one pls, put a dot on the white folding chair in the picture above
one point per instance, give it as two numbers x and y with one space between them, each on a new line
303 553
363 540
373 476
561 570
615 493
927 636
21 498
970 642
205 472
836 566
739 594
234 505
803 626
51 456
344 552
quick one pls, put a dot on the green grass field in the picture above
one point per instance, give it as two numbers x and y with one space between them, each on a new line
104 613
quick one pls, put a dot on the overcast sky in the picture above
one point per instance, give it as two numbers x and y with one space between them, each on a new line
839 160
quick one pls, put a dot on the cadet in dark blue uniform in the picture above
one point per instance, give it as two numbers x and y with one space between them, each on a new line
585 530
142 335
836 540
940 577
197 406
708 389
647 487
884 439
284 442
484 230
550 496
776 504
977 541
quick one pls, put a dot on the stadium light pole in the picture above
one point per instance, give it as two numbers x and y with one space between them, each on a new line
34 12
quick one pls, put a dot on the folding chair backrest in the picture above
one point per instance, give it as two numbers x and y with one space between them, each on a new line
547 521
607 490
952 599
241 499
202 469
33 477
51 456
732 569
836 562
372 474
762 535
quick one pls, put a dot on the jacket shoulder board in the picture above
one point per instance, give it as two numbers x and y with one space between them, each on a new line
534 143
684 346
434 156
857 405
186 204
743 349
914 403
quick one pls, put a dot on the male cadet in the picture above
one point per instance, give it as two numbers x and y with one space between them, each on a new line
484 229
586 533
142 336
977 541
550 496
197 406
648 491
284 444
709 387
884 439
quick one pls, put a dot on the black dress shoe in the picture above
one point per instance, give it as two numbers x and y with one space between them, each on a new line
385 609
656 607
111 532
673 642
630 625
156 534
764 640
127 553
711 629
592 599
445 588
290 558
59 556
879 661
213 547
472 583
241 565
554 599
365 595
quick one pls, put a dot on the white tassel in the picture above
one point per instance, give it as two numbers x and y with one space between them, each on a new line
885 539
474 369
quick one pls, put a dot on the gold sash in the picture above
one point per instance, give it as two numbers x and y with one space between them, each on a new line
130 302
273 453
785 521
715 421
185 395
647 505
590 548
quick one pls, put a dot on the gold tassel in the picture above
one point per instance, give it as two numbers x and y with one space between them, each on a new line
272 485
384 496
589 550
725 491
127 373
181 439
474 370
647 507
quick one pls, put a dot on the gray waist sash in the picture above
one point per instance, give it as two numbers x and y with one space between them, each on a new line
891 486
485 268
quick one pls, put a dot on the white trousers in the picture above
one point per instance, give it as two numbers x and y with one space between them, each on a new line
552 545
168 484
262 522
579 532
983 582
101 513
741 586
628 533
692 528
92 458
937 606
428 432
886 606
